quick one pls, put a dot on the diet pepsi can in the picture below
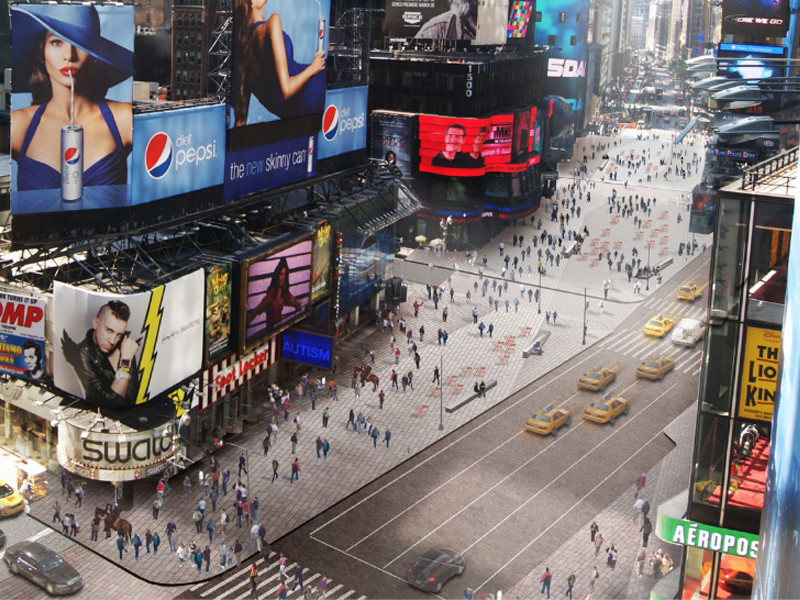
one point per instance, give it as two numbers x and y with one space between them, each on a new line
310 164
71 163
321 36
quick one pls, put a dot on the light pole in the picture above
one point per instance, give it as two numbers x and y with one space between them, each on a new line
584 316
648 267
247 460
441 391
539 310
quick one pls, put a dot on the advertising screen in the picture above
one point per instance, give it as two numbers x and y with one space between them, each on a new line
321 265
249 170
116 351
750 61
307 348
431 20
759 381
219 282
22 337
64 160
471 147
276 287
278 59
492 22
755 18
344 122
177 151
392 139
519 18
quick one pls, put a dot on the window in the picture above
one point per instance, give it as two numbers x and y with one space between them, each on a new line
728 267
551 40
562 17
577 17
573 40
537 16
769 256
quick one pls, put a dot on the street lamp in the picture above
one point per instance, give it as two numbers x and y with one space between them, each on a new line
585 305
247 460
441 388
539 300
648 267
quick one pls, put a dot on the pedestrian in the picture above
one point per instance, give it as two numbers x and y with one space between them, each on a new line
242 465
387 435
294 440
555 316
570 585
381 398
121 546
436 374
136 542
298 578
223 524
593 529
444 337
254 582
237 552
322 586
226 475
593 578
319 447
640 483
79 494
646 529
211 527
197 516
439 336
295 470
545 581
547 316
156 543
421 333
56 512
474 315
444 314
326 446
611 561
598 543
374 434
637 509
187 486
410 378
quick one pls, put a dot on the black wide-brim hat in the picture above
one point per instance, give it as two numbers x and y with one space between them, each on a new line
74 23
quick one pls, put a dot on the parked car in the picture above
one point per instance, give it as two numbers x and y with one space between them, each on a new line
434 568
43 567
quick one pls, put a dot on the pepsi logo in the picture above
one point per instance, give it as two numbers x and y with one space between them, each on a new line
72 155
330 122
158 155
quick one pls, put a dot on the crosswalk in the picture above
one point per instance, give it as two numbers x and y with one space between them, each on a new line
236 586
632 342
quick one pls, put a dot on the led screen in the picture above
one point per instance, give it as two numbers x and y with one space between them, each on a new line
431 19
518 19
755 18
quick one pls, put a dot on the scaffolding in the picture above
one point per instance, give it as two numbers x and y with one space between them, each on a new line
220 49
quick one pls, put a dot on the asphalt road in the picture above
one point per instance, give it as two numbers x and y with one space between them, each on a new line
503 497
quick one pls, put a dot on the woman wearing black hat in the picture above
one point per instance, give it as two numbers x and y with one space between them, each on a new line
56 47
265 67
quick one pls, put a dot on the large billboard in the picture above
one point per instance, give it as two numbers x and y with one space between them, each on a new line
321 266
71 118
393 139
177 151
759 373
750 62
431 19
278 60
219 297
471 147
22 337
275 291
519 18
116 351
344 122
307 348
492 22
756 19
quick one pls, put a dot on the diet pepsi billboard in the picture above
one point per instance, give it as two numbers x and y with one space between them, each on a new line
177 151
344 122
250 170
307 348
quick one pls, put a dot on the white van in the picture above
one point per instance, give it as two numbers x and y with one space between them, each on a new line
688 332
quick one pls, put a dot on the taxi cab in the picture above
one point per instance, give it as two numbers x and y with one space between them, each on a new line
655 367
548 420
11 502
597 378
658 326
689 292
606 409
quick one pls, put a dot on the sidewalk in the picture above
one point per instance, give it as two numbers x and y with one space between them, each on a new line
413 416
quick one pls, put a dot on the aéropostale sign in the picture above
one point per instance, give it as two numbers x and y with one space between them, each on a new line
177 151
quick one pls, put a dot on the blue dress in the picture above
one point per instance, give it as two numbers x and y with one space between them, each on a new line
112 169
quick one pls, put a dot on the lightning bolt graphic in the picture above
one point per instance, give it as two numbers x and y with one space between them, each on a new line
152 324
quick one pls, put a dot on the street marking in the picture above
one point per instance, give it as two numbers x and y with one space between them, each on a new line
234 575
40 535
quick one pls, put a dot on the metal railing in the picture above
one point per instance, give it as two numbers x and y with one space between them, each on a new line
778 171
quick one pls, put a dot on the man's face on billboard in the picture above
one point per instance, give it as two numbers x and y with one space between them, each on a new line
454 138
30 358
108 330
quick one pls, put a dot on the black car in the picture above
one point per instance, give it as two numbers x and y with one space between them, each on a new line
43 567
434 568
2 539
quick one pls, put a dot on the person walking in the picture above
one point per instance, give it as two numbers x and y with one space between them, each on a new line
237 553
436 376
295 470
545 581
326 414
421 336
156 543
593 578
646 529
148 541
374 434
481 327
593 529
136 542
121 546
187 486
56 512
95 528
242 465
490 329
326 446
570 585
598 543
293 439
381 399
211 527
298 578
640 483
207 558
254 582
387 435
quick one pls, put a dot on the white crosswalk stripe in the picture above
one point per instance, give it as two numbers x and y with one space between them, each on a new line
236 586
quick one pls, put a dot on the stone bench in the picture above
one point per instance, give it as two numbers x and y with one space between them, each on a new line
541 337
456 404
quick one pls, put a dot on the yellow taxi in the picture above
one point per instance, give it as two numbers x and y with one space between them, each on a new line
11 502
655 367
548 420
606 409
689 292
658 326
597 378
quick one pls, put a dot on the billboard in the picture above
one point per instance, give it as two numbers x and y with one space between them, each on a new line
276 287
278 60
63 160
22 337
756 19
219 284
226 376
321 265
393 139
250 170
519 18
759 373
344 122
750 61
471 147
432 20
177 151
116 351
307 348
492 22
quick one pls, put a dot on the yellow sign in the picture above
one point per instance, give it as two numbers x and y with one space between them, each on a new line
759 373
